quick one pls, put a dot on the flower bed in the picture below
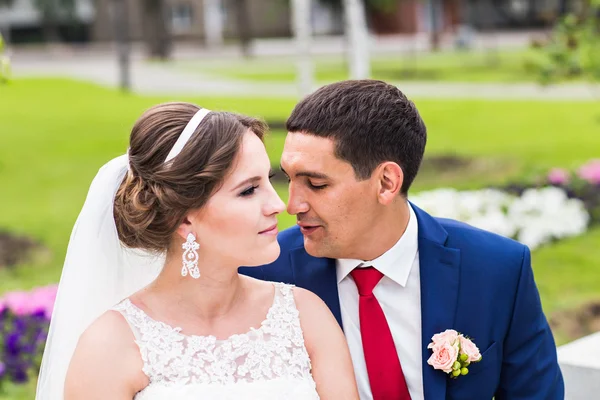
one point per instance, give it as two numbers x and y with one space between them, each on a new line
536 217
24 322
562 204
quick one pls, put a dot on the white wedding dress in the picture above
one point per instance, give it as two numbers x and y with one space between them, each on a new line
270 362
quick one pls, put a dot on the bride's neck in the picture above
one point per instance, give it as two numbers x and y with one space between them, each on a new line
214 294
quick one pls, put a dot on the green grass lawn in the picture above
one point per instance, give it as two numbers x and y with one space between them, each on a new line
55 134
453 66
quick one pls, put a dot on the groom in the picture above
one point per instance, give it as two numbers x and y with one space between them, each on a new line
393 275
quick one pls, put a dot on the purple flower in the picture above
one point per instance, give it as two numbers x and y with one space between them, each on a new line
19 375
591 172
24 322
558 176
13 344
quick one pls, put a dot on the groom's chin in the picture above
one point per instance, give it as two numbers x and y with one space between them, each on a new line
315 248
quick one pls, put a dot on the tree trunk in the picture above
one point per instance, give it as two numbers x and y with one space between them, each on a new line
531 11
563 7
50 31
158 35
5 25
357 39
244 29
123 43
435 33
466 32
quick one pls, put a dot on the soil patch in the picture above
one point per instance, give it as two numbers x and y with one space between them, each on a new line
15 249
579 322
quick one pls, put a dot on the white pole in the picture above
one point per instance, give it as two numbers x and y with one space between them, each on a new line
213 23
302 32
357 39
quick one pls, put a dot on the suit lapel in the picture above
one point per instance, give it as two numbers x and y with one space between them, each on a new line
319 276
440 267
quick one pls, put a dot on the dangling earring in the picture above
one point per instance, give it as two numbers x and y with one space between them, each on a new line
190 257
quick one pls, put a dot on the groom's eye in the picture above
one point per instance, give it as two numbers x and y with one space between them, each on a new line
317 187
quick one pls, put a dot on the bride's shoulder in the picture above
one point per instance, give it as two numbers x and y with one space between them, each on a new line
109 330
319 326
312 310
305 299
107 337
107 353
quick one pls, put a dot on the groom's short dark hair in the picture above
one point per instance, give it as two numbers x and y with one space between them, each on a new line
370 121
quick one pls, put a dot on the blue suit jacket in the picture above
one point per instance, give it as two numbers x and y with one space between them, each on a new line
473 281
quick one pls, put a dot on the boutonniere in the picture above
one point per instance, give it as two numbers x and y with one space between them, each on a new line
452 353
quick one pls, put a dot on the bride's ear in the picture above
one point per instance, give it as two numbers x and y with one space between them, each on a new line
185 228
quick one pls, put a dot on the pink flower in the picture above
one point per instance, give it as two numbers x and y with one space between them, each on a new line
25 303
591 172
558 176
444 356
468 347
43 298
449 336
17 302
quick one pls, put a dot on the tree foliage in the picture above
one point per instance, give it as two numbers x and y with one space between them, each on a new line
573 49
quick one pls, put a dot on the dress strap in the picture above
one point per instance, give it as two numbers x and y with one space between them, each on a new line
135 317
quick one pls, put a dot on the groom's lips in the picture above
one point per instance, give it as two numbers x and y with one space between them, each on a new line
308 229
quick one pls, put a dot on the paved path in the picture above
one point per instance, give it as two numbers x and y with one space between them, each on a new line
99 65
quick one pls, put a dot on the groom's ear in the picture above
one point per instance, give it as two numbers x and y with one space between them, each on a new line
389 177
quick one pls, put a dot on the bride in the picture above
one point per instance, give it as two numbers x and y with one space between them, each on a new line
150 303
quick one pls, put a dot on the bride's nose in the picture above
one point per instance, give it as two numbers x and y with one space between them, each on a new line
274 204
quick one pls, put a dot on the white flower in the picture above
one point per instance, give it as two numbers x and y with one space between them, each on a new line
534 218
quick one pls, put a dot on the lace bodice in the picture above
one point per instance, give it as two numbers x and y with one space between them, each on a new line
269 362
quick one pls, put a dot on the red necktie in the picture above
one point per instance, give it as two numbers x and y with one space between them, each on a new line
383 366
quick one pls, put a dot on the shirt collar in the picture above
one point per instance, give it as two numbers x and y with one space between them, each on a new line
395 263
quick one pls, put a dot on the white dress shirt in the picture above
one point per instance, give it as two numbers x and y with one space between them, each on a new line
399 294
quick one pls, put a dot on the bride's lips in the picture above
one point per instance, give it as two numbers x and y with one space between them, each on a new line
272 230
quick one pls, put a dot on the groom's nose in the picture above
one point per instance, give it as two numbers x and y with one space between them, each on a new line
297 204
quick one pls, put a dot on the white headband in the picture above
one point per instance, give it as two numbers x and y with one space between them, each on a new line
189 129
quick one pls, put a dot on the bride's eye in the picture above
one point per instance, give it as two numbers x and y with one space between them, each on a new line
249 191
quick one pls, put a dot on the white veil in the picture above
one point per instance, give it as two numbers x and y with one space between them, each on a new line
98 271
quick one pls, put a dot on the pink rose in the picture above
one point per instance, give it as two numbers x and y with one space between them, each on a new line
443 357
449 336
558 176
470 349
